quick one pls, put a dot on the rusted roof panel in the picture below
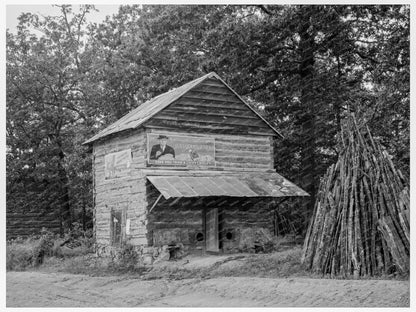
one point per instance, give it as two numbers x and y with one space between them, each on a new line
248 185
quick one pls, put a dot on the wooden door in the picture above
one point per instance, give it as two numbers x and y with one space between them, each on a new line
211 228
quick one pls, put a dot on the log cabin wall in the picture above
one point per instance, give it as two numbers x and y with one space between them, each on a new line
177 224
245 225
233 152
180 222
121 188
25 223
210 107
242 224
242 139
243 142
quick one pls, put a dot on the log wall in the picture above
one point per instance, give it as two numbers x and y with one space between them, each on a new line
210 107
235 152
243 224
243 142
125 192
26 223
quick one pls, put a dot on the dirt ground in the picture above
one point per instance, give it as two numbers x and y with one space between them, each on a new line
43 289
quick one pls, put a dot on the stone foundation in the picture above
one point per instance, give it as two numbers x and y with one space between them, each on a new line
146 255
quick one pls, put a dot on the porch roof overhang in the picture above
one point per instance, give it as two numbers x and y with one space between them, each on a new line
247 185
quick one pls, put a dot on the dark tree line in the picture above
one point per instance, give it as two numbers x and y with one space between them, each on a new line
302 67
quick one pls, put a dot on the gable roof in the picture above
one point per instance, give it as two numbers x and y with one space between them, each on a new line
147 110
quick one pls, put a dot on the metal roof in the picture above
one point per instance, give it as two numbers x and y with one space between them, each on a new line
145 111
248 185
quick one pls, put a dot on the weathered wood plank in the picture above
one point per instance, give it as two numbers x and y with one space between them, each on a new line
211 118
212 82
237 146
201 111
219 137
242 153
209 103
243 159
215 89
207 127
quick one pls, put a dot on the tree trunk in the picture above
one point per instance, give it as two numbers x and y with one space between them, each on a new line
307 118
65 209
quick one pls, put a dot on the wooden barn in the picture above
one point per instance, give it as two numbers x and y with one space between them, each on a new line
192 168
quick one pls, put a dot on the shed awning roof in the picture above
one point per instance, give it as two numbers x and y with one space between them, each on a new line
266 185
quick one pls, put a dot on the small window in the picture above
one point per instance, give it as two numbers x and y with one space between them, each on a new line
229 236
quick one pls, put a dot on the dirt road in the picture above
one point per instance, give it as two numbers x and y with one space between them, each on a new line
36 289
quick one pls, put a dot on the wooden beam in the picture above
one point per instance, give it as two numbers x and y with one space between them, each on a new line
155 203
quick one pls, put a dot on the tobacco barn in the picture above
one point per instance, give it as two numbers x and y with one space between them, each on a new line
191 168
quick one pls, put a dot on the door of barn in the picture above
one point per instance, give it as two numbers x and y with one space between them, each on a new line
212 230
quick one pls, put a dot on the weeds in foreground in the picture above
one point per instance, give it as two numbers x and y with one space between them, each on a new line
280 264
123 261
31 252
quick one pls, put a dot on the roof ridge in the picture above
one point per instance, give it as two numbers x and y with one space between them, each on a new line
148 109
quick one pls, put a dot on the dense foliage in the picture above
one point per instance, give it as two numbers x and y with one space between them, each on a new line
302 67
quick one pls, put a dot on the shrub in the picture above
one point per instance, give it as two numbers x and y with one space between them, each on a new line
19 254
125 259
29 252
75 242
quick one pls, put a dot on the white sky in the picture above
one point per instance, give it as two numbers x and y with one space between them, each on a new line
105 8
14 11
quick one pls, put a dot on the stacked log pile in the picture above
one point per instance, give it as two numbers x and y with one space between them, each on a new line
360 224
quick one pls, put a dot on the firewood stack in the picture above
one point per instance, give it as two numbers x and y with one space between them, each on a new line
360 224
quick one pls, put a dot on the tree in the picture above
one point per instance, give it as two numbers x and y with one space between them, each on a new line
301 67
46 115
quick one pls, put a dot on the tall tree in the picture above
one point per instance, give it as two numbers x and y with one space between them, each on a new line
45 114
301 67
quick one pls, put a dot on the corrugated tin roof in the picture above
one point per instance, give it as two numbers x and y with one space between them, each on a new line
248 185
144 112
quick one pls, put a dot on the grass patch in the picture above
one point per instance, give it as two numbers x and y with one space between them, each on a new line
122 262
278 264
24 254
31 252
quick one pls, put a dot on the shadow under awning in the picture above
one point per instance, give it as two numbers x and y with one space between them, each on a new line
246 185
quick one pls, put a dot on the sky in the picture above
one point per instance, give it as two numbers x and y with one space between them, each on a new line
13 12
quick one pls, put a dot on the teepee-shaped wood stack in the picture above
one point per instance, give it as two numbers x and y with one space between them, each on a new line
360 224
